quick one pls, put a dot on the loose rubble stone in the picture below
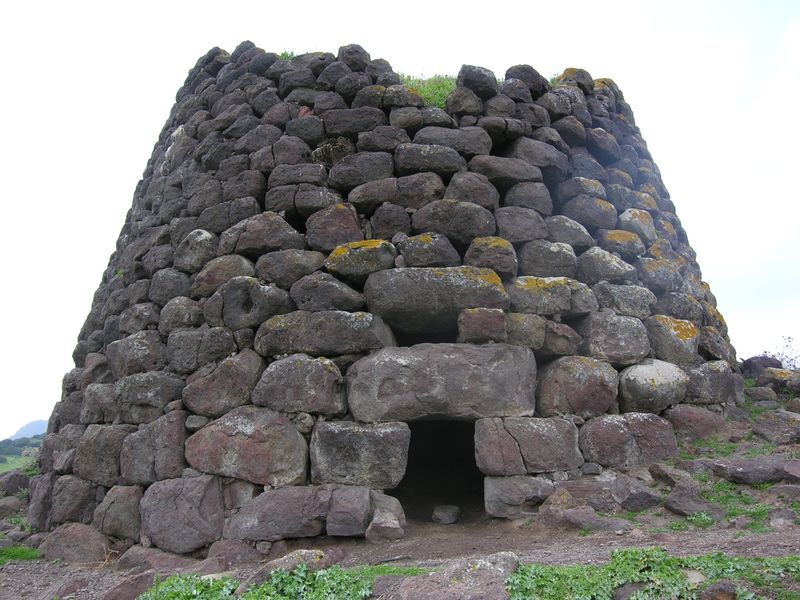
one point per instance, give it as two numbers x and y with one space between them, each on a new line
468 579
446 514
778 427
515 497
694 422
75 543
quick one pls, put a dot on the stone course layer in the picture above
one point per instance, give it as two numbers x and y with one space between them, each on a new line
315 259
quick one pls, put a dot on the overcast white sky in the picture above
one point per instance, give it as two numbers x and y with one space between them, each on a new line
87 86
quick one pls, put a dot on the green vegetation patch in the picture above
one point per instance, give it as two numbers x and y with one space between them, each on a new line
660 576
298 584
433 90
189 587
18 553
709 448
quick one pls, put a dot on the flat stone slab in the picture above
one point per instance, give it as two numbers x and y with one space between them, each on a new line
428 300
325 333
456 381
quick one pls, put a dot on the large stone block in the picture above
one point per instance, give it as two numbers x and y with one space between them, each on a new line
141 398
550 296
417 300
613 338
155 452
74 499
183 515
299 383
626 441
225 387
328 333
519 445
118 513
248 303
457 381
576 385
651 386
349 512
712 383
76 543
251 443
97 454
674 340
372 455
289 512
142 351
461 222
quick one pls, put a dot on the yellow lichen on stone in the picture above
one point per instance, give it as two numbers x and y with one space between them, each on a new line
491 241
620 236
539 283
642 216
683 330
277 321
345 248
466 274
424 238
780 375
714 313
646 201
483 275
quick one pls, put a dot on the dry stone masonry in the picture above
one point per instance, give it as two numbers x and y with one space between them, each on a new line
319 273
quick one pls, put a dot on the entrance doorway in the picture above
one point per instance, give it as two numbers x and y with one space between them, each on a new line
441 470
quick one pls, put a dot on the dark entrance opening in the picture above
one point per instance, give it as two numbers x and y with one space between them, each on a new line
441 470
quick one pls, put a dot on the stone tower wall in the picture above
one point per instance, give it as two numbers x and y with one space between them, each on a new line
313 259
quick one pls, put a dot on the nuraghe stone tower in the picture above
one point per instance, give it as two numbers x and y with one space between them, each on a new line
330 303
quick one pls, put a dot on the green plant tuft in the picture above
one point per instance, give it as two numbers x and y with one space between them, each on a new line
433 90
701 519
18 553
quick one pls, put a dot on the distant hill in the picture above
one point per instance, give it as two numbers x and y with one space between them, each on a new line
31 429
